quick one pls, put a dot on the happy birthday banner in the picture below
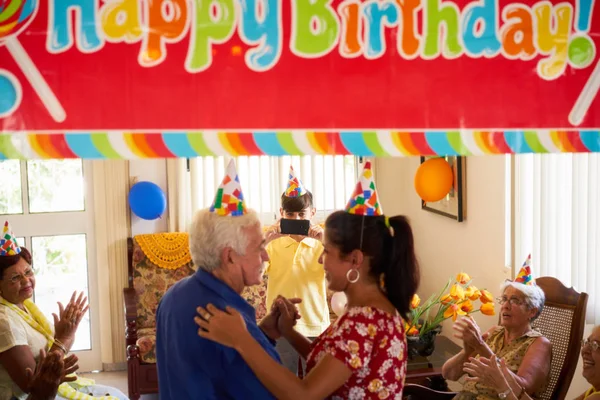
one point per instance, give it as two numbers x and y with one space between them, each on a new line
181 78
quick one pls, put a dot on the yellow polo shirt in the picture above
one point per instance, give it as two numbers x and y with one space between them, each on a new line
294 271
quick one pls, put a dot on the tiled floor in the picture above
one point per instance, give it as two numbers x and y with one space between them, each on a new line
116 379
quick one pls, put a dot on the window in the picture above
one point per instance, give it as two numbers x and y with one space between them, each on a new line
331 179
557 220
49 208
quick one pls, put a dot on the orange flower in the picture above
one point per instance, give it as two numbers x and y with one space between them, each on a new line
466 306
413 331
457 292
472 293
463 278
446 299
416 300
453 311
487 309
486 297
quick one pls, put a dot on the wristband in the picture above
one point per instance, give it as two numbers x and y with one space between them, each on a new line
61 346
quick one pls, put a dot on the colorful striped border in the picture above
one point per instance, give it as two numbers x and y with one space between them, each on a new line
136 145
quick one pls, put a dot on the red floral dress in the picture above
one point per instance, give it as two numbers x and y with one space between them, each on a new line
371 342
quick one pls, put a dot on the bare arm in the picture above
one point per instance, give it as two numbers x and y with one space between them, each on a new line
535 368
299 342
453 368
328 375
229 329
16 360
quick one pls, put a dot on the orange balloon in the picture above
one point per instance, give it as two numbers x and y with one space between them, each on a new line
434 179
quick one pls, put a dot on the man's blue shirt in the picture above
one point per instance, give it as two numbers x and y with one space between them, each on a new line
190 367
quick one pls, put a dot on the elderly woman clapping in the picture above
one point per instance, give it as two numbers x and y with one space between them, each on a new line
525 352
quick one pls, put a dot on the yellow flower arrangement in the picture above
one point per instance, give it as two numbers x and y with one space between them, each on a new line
457 298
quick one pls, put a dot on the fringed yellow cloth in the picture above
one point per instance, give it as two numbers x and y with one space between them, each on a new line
40 323
167 250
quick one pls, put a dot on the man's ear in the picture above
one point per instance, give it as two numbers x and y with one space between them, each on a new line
313 213
227 256
281 212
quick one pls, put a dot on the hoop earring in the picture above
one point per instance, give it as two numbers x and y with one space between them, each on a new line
355 279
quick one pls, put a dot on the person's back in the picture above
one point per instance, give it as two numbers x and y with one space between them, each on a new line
227 246
193 368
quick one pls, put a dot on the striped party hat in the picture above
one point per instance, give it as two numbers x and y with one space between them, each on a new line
525 276
364 200
229 200
8 242
295 187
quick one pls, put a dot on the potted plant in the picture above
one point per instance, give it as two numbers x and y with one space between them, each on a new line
458 297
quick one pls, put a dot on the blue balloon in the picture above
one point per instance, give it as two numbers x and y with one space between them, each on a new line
147 200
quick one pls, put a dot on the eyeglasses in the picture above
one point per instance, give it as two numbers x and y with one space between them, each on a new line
592 343
18 278
513 301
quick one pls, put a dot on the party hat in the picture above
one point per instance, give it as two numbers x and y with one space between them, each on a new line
295 187
364 200
229 199
8 242
525 277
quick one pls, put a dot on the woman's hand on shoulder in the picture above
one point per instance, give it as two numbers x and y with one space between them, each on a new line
224 327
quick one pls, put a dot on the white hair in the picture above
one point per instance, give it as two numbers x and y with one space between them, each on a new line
534 295
211 233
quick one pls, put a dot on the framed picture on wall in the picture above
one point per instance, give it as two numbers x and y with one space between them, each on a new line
454 205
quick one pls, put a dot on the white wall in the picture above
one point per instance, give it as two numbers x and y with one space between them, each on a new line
153 170
446 247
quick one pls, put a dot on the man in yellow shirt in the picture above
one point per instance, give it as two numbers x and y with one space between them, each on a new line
294 269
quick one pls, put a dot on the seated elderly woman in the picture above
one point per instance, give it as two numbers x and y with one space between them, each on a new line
525 352
24 331
496 374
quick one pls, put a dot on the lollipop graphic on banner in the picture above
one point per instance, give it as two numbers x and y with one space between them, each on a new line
15 16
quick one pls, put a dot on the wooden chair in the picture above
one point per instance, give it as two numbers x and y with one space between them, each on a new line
562 321
147 283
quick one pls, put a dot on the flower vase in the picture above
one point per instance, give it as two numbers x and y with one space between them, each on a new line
422 345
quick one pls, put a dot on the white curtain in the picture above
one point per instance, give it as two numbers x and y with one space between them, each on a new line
557 220
192 183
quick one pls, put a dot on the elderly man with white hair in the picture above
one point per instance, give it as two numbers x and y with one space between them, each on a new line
228 248
525 352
